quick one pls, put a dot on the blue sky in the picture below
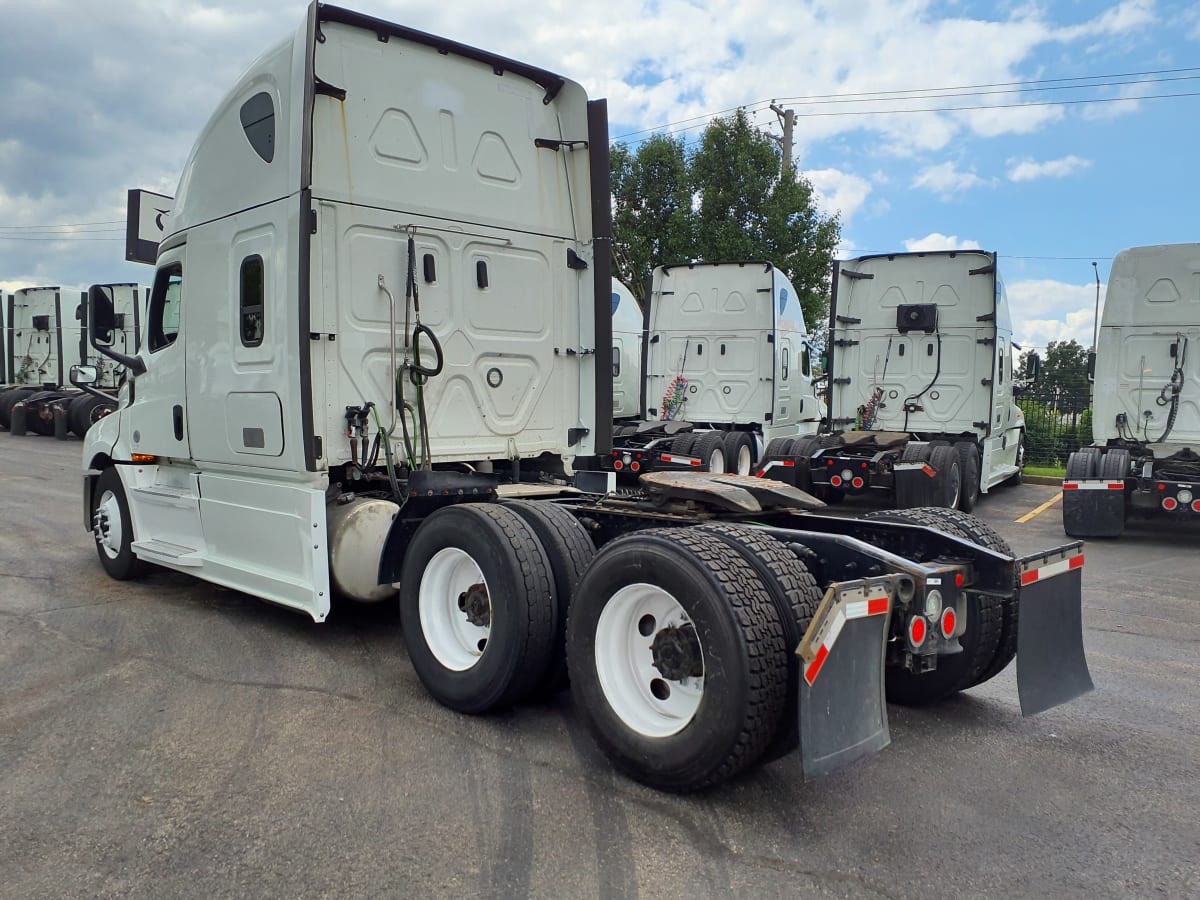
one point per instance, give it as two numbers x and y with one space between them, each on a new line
103 95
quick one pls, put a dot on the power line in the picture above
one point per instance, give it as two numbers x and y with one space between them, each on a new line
934 92
69 225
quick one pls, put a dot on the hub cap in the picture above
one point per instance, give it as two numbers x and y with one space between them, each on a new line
743 460
455 609
649 660
106 525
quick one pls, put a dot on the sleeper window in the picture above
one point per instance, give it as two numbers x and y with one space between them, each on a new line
251 301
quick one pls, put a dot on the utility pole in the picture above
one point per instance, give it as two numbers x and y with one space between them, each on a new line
787 118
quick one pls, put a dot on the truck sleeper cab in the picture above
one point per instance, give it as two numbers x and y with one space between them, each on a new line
920 384
1145 458
727 369
368 364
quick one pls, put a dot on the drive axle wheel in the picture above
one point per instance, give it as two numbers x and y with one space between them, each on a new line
677 658
477 606
112 528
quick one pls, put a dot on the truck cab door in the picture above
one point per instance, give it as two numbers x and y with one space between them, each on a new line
156 415
787 375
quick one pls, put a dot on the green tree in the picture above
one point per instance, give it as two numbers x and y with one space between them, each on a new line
727 201
652 215
746 209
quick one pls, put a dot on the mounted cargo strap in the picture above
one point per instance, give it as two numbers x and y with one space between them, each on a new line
1051 665
842 714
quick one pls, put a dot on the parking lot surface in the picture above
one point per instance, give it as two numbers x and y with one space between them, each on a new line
169 738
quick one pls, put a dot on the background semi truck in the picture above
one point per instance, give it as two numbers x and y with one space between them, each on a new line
47 334
727 369
1145 459
920 384
385 396
626 356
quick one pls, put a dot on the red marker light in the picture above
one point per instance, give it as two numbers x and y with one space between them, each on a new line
916 631
959 580
949 621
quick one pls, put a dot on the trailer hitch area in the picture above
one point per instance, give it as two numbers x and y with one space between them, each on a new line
1051 665
842 710
732 493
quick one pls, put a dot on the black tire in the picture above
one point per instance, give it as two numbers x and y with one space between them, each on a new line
709 448
569 550
1082 464
1114 465
990 640
802 449
10 400
740 639
947 484
111 507
74 421
514 653
682 444
775 447
968 458
739 448
796 596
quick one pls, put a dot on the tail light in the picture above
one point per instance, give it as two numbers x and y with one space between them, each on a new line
917 630
1169 503
949 622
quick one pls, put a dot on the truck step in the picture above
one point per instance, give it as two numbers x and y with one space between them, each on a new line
168 553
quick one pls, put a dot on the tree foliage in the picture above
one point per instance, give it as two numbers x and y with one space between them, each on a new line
728 200
1065 365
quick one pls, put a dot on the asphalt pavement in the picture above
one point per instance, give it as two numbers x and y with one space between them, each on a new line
170 738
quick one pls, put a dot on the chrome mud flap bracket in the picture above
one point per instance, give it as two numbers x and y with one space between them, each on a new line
1051 665
842 711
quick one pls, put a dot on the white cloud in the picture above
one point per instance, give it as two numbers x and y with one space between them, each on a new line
946 180
938 241
1118 20
838 192
1028 170
1045 310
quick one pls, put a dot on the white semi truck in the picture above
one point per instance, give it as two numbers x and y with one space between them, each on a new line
46 335
920 385
380 323
727 369
1145 459
626 356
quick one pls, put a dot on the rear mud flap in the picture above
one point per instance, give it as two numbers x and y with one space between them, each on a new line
1051 665
1093 508
842 712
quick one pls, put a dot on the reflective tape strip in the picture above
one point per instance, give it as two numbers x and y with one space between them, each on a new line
856 609
1093 486
910 466
680 460
786 463
1049 571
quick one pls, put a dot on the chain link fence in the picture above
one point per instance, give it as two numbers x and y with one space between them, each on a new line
1058 420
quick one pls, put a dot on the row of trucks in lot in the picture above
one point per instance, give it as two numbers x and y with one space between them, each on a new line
378 363
43 332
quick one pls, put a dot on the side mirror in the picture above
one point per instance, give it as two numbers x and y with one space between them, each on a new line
82 376
1034 365
102 319
1092 365
103 324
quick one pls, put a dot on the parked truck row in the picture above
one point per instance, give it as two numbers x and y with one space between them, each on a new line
43 332
378 353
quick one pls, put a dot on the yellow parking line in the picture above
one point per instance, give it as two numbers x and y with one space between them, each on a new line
1041 509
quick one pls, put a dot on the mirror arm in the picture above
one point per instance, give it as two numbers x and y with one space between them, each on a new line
88 389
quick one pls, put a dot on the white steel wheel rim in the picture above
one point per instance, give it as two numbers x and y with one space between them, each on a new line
743 460
455 641
109 538
716 460
631 684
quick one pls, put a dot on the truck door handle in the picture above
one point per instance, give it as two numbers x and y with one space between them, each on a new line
177 415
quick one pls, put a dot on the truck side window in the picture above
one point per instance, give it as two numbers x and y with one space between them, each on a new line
806 361
786 360
616 361
251 302
163 323
1000 354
